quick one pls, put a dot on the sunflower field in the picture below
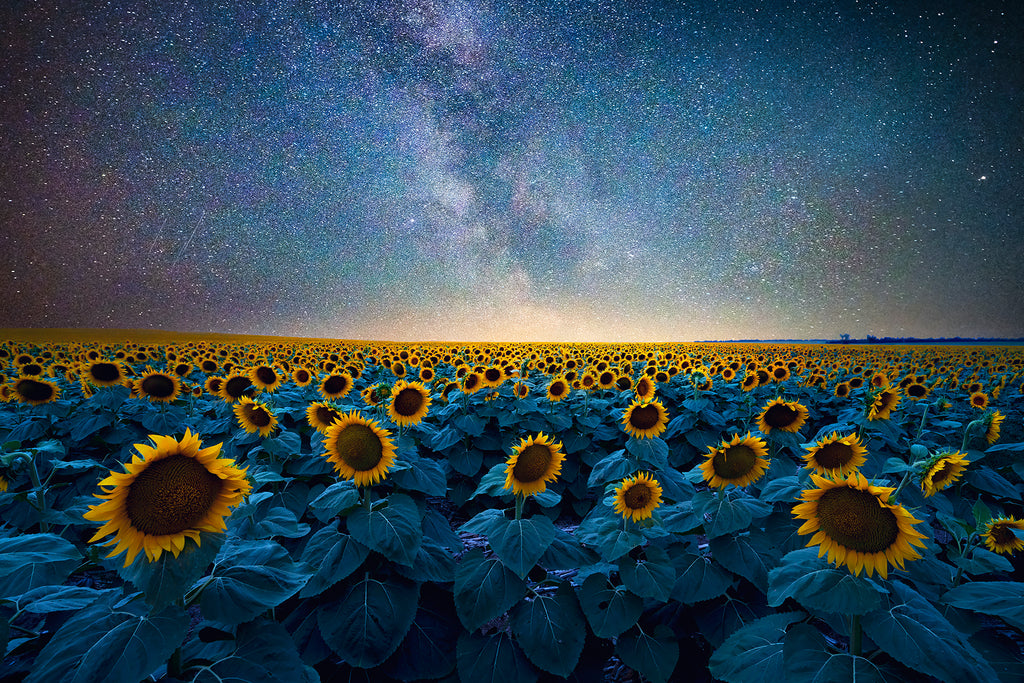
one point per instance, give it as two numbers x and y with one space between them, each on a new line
178 507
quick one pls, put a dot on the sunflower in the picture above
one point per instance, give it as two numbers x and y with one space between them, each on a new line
170 491
472 383
235 386
645 388
979 400
942 470
104 373
993 421
786 416
882 407
637 496
739 462
255 417
213 384
34 391
854 523
265 378
493 376
915 391
999 535
645 420
359 449
301 376
521 389
335 385
835 456
534 462
842 390
558 389
750 381
606 380
321 415
409 402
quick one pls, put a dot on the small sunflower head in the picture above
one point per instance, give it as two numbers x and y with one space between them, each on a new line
786 416
534 463
1000 537
359 449
636 497
645 420
992 421
836 456
410 402
738 462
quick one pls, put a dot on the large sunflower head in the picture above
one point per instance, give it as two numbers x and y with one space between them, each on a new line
1000 538
739 462
235 386
637 496
359 449
335 385
993 421
853 522
645 420
170 491
158 387
942 470
255 417
409 402
34 390
786 416
882 407
533 463
104 373
836 456
322 415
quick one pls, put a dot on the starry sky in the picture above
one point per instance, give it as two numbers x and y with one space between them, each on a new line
567 170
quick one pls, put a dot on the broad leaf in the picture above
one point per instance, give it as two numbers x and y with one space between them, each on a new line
393 529
484 589
551 630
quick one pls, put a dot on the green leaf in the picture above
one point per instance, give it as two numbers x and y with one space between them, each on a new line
484 522
492 659
551 630
168 579
248 578
284 446
985 479
111 645
913 632
807 579
484 589
519 543
370 621
653 654
34 560
982 561
46 599
566 552
729 514
333 556
749 555
424 475
612 468
681 518
445 438
466 461
753 653
279 522
334 500
86 426
700 578
653 452
165 421
433 563
394 529
492 483
609 609
807 658
264 653
426 652
782 490
999 598
652 577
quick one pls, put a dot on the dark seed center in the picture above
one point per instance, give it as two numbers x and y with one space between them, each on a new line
408 402
532 464
734 462
359 447
158 386
855 519
171 495
644 417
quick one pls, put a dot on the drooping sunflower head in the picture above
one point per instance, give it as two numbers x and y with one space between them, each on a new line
786 416
170 491
739 462
645 420
645 388
472 383
322 415
636 497
410 402
836 456
855 525
34 390
359 449
535 462
104 373
942 470
558 389
255 417
1000 537
993 421
882 407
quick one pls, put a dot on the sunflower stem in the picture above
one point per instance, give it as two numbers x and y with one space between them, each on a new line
920 427
33 474
174 663
520 501
899 489
367 498
855 635
967 433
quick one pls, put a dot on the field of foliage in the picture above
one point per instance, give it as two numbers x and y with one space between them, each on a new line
213 509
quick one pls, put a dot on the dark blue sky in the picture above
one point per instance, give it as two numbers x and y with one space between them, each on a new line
518 171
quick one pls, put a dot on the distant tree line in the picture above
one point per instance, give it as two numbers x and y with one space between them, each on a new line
872 339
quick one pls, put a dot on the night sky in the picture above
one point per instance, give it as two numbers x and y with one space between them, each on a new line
483 170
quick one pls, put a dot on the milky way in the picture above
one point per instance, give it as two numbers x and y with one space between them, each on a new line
563 171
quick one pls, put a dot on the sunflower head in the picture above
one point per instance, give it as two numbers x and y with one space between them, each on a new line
236 385
855 525
1000 537
942 470
836 456
266 377
979 400
915 391
645 420
34 390
255 417
335 385
105 373
359 449
636 497
881 408
645 388
321 415
558 389
170 491
992 422
409 402
786 416
739 462
521 389
535 462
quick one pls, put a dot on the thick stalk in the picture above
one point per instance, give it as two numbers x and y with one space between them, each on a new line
855 635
